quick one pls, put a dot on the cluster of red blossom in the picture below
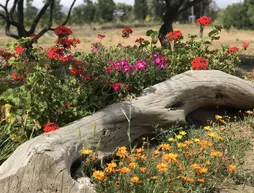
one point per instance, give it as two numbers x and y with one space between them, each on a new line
175 35
60 50
204 21
126 32
50 126
199 63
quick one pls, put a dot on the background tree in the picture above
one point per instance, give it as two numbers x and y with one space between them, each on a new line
16 8
159 7
105 10
30 12
125 9
140 9
173 9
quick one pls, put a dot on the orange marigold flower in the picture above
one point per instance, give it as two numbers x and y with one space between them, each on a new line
187 179
135 179
162 167
125 170
143 169
195 166
188 142
202 171
208 163
231 168
99 175
122 152
139 150
169 180
201 180
216 154
143 138
156 152
218 117
181 145
170 157
204 144
132 165
165 146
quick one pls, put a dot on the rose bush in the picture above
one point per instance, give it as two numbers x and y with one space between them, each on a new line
59 85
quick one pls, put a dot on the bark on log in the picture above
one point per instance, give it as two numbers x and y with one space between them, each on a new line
43 163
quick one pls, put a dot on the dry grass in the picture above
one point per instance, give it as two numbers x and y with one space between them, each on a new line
113 36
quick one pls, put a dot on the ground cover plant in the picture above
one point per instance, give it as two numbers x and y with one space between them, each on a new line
203 160
58 85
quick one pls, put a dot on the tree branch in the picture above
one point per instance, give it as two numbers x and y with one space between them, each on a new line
69 13
189 4
39 15
12 10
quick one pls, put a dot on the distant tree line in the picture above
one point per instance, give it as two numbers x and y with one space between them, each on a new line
238 15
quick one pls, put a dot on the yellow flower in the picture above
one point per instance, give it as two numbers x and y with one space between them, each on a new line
111 165
202 171
135 179
124 170
165 146
171 139
212 134
132 165
196 140
201 180
143 169
218 117
182 133
170 157
86 152
207 128
99 175
179 136
231 168
181 145
216 154
162 167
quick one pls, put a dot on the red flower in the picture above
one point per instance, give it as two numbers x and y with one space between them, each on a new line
53 53
67 104
65 58
76 71
101 36
175 35
87 77
50 126
117 86
199 63
62 31
16 77
68 42
19 49
233 49
253 70
126 32
245 45
204 20
139 40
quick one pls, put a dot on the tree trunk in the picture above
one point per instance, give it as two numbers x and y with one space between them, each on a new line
43 164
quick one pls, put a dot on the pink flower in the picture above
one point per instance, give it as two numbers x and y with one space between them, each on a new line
141 65
108 69
117 86
253 70
159 60
123 65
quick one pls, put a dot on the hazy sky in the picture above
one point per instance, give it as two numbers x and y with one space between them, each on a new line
220 3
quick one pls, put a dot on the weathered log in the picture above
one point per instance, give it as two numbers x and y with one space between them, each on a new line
43 163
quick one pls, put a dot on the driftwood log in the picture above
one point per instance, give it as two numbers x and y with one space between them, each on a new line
43 163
